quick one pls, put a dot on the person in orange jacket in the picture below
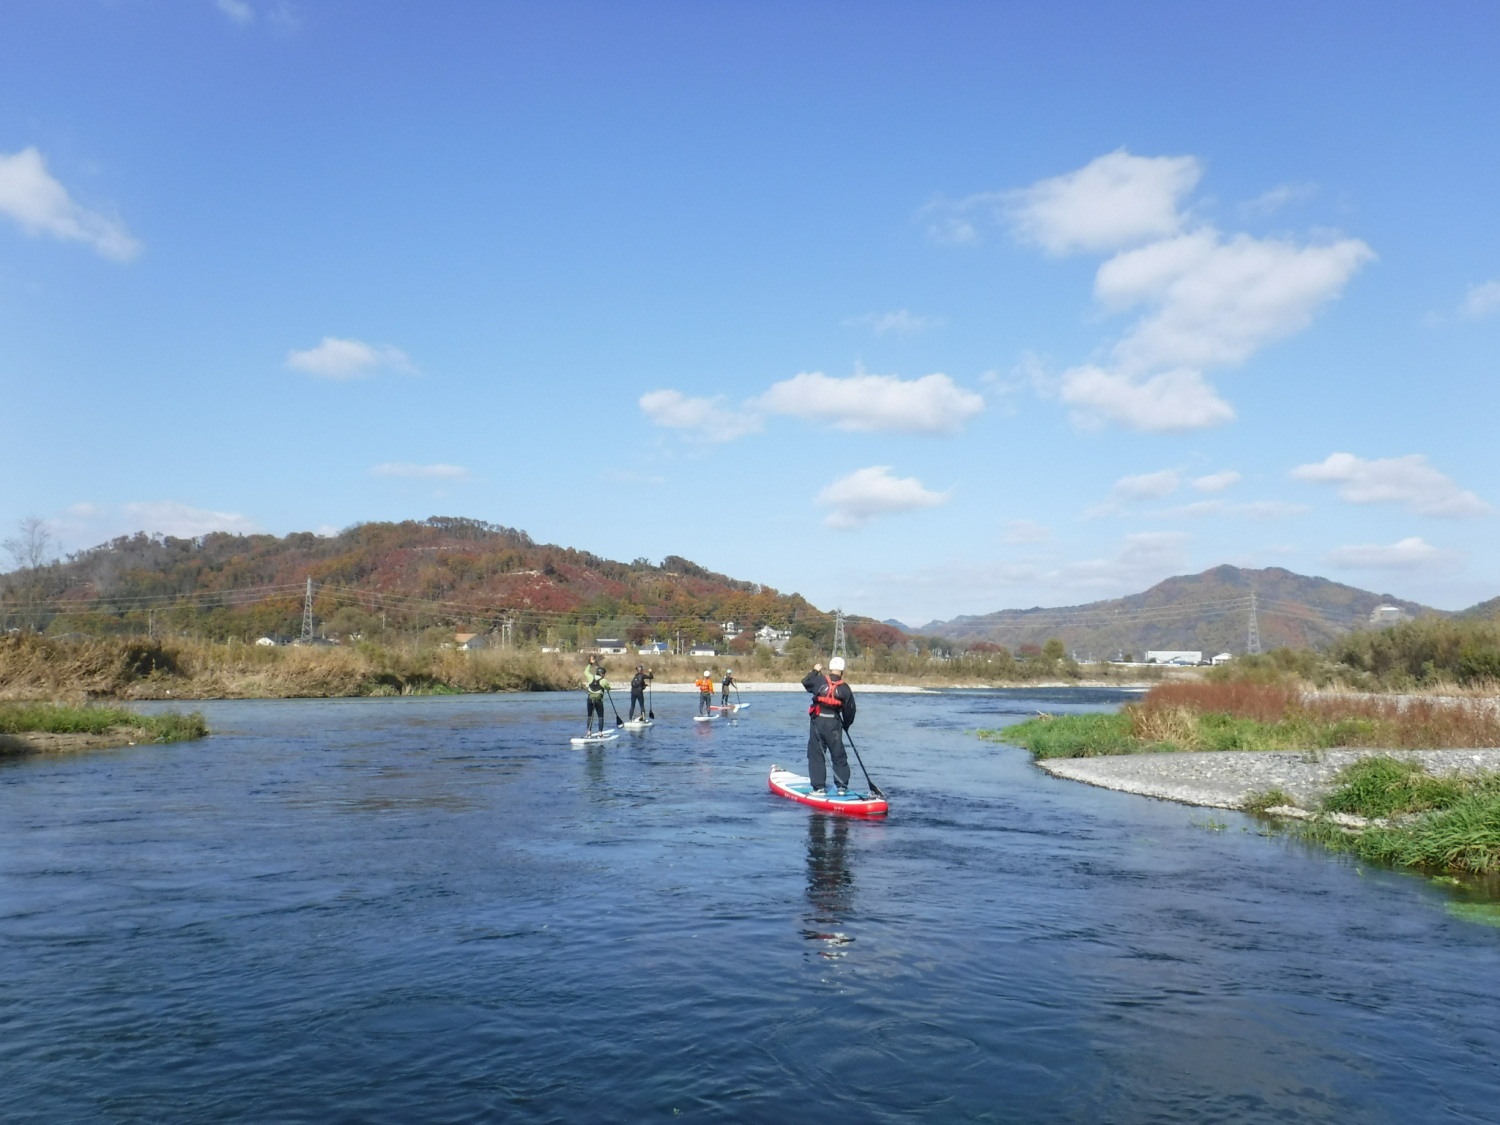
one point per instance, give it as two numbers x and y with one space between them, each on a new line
705 686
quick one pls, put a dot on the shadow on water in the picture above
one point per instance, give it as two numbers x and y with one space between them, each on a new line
830 884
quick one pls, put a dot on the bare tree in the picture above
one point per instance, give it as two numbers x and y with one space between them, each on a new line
32 550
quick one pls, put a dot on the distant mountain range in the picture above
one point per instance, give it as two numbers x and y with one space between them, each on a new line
1210 612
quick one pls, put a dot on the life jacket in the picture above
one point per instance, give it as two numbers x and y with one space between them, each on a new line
704 684
595 687
638 682
829 697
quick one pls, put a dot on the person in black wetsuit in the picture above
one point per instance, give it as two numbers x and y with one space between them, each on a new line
638 684
832 714
728 683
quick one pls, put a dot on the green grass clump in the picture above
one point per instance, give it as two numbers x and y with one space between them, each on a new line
1268 799
1386 787
1070 736
57 718
1462 837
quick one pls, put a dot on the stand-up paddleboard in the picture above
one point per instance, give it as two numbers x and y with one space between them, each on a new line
730 708
854 802
594 739
704 718
639 724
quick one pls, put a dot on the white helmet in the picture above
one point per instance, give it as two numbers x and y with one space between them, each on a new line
707 672
836 664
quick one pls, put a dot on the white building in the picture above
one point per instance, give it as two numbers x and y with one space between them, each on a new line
702 650
730 630
1174 656
1383 615
1223 658
610 646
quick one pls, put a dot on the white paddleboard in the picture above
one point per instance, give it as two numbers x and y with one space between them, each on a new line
594 739
639 724
704 718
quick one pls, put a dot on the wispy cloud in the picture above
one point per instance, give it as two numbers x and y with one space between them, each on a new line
40 205
169 517
1114 201
900 322
933 404
1481 301
1407 554
237 11
1018 532
1146 486
1408 481
421 472
863 495
1278 197
708 419
341 359
1217 482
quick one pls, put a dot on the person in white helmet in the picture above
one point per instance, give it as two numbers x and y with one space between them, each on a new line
705 686
728 683
832 714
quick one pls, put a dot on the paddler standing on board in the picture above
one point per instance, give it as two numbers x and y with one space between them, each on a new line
638 684
596 685
832 714
705 686
728 683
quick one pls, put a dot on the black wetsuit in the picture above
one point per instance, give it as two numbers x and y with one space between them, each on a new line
638 684
829 721
728 683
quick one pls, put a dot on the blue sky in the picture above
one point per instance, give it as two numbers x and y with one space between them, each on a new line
917 309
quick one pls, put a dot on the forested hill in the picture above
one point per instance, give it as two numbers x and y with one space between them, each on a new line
1209 612
448 572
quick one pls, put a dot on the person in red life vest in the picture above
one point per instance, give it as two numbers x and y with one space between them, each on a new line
832 714
705 686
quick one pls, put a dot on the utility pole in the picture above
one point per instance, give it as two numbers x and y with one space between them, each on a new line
838 633
507 632
1252 644
307 616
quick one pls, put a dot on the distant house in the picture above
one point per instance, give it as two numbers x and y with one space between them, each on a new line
1174 656
655 648
776 638
729 629
471 642
1383 615
702 650
267 642
1223 658
610 646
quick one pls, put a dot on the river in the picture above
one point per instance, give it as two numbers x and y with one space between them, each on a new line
434 909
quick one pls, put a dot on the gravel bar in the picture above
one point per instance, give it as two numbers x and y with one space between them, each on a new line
1224 779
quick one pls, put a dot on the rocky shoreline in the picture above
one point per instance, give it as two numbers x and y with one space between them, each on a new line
1227 779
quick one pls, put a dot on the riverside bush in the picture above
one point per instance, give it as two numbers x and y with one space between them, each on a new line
55 718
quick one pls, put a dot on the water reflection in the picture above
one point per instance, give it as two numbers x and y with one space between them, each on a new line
830 885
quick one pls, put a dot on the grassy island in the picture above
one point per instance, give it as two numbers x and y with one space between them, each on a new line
43 726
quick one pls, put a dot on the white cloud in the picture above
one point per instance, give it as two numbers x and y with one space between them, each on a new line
1481 300
336 358
1114 201
1205 300
1146 486
1217 482
1409 481
933 404
41 205
168 517
1408 554
1218 302
1144 558
1026 531
710 419
421 472
1254 510
858 498
237 10
1267 509
1169 402
903 322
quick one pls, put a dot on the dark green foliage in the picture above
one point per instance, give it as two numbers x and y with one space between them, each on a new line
1427 651
1386 787
1070 736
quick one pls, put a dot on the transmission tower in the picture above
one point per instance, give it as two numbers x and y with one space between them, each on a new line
1252 643
838 633
307 618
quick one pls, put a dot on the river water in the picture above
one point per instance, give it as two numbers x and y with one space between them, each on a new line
436 910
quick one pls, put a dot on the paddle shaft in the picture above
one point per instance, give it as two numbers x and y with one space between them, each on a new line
873 787
619 722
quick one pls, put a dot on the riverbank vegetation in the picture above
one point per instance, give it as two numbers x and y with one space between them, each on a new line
1245 715
28 726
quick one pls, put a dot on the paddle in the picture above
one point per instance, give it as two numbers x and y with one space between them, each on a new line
619 722
873 787
650 696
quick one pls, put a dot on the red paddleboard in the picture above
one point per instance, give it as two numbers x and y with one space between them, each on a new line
854 802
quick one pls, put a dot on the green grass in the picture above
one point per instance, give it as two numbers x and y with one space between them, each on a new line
57 718
1386 787
1268 799
1070 736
